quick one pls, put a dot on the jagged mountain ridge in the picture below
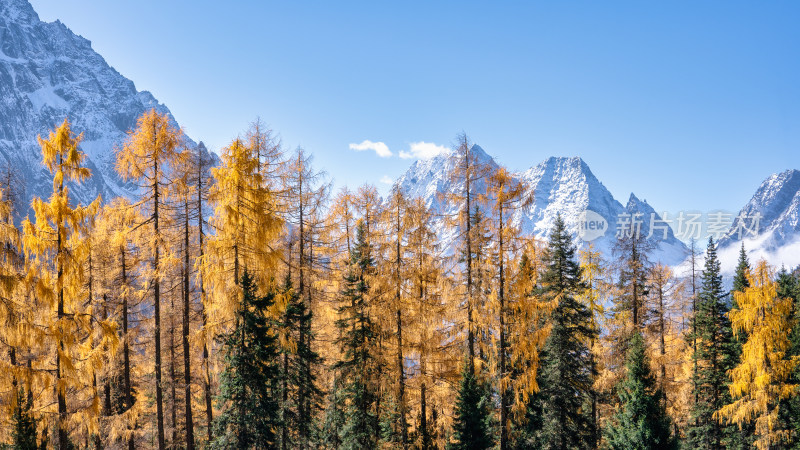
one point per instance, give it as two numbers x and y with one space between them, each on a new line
48 73
560 185
776 235
777 204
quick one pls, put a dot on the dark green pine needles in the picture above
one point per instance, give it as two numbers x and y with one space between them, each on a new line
249 395
642 421
471 414
558 410
716 354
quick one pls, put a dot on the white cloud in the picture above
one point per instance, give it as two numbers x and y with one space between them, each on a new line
379 148
423 150
386 179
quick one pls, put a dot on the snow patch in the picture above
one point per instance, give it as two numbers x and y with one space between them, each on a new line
46 96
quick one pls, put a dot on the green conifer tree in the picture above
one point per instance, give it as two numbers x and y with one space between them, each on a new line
789 287
642 421
296 376
23 423
740 277
715 356
565 375
249 384
358 370
333 418
471 421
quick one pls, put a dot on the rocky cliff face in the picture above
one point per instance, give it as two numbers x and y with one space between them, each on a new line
48 73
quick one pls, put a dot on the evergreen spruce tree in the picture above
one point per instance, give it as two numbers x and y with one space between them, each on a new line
249 384
715 356
789 287
471 421
391 432
296 376
642 421
740 277
358 368
565 378
634 265
23 424
333 419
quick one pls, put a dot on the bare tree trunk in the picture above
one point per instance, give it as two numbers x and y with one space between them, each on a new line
157 310
60 389
126 359
470 324
173 379
187 373
201 250
106 382
303 404
501 295
401 395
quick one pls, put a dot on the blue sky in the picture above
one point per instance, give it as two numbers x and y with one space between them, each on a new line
688 104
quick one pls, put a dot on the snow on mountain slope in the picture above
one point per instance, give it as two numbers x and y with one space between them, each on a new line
769 224
560 185
48 73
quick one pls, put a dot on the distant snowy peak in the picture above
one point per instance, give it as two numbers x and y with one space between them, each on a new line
48 73
652 222
560 185
773 213
564 185
429 178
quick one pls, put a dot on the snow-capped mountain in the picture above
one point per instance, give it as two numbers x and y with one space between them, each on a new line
769 224
48 73
560 185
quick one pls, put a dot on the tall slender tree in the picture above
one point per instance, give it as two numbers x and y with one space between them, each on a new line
55 245
471 421
200 180
565 377
745 434
593 269
714 357
246 225
425 319
506 196
118 222
642 421
305 197
633 253
397 221
249 385
762 379
148 156
182 202
468 171
358 342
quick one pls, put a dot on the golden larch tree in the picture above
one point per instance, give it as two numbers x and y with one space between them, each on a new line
148 157
55 246
507 196
761 380
246 224
468 172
